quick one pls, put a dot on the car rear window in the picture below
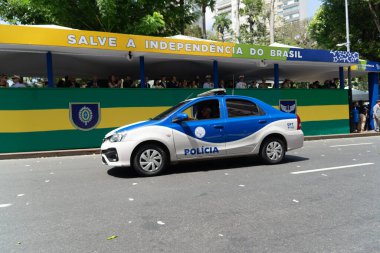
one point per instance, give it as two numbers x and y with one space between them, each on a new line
242 108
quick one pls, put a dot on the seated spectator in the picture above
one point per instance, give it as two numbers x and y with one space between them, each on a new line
194 84
172 83
185 84
3 81
241 84
253 85
163 82
285 84
314 85
113 82
17 82
72 83
221 84
157 85
198 81
94 83
208 84
127 82
230 84
263 84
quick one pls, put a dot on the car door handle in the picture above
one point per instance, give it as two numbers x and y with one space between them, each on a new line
218 126
262 121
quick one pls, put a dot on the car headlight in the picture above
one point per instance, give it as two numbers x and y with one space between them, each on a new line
118 137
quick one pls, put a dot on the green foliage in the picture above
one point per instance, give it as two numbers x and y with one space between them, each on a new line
148 17
222 24
328 27
193 30
295 34
254 30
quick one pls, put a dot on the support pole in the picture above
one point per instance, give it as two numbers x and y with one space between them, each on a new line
142 72
216 74
341 78
49 65
373 88
276 76
350 103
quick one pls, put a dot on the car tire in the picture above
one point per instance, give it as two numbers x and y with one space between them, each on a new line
272 150
149 160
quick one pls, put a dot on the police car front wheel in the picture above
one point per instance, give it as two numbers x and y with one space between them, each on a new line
149 160
272 150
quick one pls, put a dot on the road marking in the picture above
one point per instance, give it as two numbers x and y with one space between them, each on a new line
356 144
331 168
5 205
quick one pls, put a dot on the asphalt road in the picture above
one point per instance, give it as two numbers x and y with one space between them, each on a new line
73 204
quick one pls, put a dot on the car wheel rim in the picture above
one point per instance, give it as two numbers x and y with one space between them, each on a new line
150 160
274 150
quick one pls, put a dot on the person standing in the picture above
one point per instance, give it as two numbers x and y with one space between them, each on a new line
241 84
16 82
208 84
376 115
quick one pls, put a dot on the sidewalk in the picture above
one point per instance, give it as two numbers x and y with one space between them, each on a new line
74 152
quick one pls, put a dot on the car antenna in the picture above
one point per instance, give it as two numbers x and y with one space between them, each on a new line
189 96
233 85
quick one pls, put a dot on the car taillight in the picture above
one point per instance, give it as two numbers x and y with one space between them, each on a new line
299 125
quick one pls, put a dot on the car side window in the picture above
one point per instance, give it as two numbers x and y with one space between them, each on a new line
208 109
242 108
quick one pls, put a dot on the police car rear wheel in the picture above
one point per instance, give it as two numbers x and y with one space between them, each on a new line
149 160
273 150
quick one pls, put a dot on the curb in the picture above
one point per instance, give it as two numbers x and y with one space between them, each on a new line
91 151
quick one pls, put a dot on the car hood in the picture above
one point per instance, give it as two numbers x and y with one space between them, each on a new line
132 126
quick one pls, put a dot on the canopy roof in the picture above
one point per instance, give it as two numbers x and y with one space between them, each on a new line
87 53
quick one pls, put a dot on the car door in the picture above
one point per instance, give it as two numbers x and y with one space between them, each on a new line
244 119
202 135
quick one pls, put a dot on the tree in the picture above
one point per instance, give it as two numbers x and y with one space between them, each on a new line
271 21
254 30
222 24
295 34
193 30
203 4
148 17
328 26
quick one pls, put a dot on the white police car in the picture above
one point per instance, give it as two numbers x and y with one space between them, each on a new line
210 126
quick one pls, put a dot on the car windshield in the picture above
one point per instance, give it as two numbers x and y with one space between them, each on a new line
169 111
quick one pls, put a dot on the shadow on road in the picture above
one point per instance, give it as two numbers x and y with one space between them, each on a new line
205 165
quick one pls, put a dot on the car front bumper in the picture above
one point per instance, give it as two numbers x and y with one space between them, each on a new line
117 154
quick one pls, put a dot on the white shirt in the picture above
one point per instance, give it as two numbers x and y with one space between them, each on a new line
18 85
241 85
376 111
208 85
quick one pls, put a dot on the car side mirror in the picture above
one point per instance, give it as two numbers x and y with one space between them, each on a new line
180 117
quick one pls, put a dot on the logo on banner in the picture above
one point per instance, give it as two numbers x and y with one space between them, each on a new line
289 106
85 116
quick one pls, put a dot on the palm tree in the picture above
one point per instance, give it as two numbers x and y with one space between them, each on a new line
222 23
203 4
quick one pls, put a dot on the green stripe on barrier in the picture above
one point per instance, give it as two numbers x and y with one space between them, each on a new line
32 99
311 128
54 140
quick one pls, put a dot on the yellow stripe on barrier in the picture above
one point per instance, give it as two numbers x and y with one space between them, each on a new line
15 121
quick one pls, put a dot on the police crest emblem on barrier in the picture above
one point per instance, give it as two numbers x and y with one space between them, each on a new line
85 116
289 105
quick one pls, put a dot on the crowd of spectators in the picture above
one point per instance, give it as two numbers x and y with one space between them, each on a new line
163 82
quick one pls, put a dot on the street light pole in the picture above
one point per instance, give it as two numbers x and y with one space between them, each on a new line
352 125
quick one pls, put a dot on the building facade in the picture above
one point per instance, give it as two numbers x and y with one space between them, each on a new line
285 11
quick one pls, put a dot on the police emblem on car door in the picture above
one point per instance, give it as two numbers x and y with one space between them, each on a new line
202 134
